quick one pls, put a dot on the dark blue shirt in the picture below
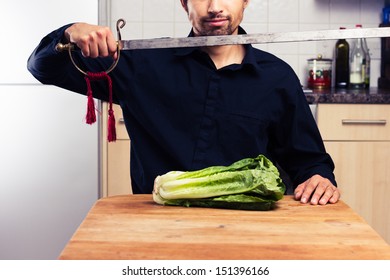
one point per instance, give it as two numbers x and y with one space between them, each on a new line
182 113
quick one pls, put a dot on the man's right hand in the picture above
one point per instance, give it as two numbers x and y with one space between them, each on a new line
93 40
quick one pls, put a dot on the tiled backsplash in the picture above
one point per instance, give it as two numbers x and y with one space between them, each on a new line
166 18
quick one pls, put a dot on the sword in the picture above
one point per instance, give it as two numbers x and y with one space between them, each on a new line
261 38
242 39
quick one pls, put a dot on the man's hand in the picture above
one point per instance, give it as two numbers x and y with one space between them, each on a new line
93 40
317 190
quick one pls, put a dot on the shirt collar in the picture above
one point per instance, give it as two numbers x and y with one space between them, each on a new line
249 59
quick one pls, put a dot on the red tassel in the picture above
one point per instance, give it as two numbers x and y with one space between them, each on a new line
111 133
91 116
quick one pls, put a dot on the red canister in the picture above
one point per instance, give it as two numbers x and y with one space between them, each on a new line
320 73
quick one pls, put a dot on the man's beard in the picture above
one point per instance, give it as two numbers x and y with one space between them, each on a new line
215 31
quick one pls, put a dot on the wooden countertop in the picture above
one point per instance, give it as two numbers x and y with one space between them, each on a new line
134 227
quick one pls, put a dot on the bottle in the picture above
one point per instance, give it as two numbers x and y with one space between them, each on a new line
367 64
384 79
357 65
342 63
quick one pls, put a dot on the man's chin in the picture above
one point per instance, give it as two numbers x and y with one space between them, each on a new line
217 33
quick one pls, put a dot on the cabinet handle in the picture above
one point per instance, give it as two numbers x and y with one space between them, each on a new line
365 122
121 120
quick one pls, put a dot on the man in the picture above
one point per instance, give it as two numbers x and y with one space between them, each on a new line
189 108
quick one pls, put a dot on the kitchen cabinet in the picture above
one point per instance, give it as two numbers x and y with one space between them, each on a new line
115 175
357 136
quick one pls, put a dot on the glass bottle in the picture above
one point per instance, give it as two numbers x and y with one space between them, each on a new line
367 64
342 63
357 65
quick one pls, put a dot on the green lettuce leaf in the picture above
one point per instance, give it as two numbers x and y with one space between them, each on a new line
251 184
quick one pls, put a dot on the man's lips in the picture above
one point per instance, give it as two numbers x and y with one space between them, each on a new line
216 22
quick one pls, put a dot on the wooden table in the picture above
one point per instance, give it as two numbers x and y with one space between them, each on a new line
134 227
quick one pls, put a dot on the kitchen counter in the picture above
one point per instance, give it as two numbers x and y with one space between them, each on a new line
342 96
134 227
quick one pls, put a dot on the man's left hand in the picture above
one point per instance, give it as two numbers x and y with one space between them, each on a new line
317 190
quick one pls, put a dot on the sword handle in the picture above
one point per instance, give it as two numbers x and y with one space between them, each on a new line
70 47
64 47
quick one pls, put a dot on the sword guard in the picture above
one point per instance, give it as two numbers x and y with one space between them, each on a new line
70 47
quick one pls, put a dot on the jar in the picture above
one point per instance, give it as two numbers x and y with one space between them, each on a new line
320 73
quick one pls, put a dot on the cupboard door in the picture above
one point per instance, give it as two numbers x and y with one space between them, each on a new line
121 132
115 156
118 168
343 122
363 177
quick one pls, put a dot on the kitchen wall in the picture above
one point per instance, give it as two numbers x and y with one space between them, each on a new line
161 18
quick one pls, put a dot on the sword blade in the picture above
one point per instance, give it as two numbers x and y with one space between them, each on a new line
261 38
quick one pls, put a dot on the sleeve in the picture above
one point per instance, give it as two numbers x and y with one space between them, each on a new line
299 147
56 68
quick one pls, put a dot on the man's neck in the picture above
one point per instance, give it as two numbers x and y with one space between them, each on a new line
225 55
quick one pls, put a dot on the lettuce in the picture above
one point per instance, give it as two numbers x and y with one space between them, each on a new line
248 184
